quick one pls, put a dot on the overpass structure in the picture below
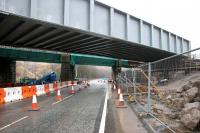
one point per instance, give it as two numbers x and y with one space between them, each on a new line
12 54
84 27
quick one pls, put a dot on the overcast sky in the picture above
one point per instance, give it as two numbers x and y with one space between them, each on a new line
181 17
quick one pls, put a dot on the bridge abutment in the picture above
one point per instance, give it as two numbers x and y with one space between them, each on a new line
116 69
7 71
67 70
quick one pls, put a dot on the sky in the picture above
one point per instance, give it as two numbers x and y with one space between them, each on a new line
181 17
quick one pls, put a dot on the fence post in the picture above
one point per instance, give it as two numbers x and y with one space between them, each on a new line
126 83
133 75
149 87
120 83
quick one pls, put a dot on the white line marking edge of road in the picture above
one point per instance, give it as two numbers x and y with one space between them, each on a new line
2 128
103 118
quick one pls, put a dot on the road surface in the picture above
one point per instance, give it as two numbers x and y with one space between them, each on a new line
80 113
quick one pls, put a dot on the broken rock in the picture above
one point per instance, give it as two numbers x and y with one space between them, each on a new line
180 90
191 119
178 103
192 93
186 87
196 84
189 106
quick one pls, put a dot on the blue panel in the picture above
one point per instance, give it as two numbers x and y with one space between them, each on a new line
156 37
21 7
119 25
101 19
178 45
172 43
79 14
165 40
50 10
134 30
146 39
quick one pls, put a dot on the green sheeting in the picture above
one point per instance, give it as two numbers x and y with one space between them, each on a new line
53 57
83 59
29 55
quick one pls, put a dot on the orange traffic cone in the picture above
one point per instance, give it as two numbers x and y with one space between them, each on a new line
73 91
118 92
34 103
114 87
58 97
120 102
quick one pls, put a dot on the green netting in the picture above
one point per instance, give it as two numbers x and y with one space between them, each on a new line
45 56
95 60
29 55
124 63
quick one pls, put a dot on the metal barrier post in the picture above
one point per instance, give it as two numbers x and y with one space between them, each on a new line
149 87
126 83
133 75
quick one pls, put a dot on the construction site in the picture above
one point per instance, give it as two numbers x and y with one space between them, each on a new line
88 66
166 93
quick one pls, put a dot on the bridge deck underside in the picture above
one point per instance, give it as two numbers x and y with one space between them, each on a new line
24 32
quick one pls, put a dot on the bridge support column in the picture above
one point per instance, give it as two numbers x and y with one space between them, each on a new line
114 73
67 70
7 71
116 70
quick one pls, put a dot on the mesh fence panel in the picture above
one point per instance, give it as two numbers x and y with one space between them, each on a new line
173 83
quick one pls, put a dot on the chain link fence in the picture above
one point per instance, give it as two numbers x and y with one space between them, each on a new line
168 90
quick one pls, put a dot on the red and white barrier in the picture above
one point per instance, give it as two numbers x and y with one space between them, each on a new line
40 90
51 88
8 94
68 83
17 93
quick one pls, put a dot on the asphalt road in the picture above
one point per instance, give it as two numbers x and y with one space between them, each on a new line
81 113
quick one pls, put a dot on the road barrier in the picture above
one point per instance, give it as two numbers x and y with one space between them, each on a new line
40 90
11 94
68 83
46 89
2 95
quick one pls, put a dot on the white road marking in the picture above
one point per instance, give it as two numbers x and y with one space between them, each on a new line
2 128
103 118
62 99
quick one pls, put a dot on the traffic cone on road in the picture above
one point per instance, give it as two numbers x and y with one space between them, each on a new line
114 87
120 102
58 97
34 103
72 90
118 92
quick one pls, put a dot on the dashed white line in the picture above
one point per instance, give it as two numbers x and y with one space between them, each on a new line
2 128
103 118
62 99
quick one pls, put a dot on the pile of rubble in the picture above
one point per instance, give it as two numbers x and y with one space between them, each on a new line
184 105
